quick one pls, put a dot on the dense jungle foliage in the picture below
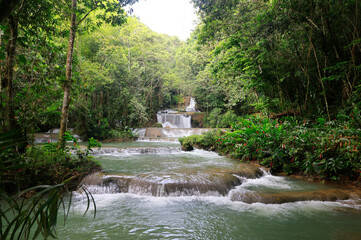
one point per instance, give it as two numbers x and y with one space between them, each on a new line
323 149
121 77
88 65
292 57
277 57
282 58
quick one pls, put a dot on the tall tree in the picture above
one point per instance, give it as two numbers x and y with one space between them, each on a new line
301 56
109 11
24 18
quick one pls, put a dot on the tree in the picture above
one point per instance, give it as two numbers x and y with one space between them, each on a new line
129 72
109 11
29 15
291 56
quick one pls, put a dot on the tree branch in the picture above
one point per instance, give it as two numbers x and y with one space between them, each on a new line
86 15
21 6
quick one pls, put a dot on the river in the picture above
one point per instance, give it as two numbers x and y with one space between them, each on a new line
147 211
150 189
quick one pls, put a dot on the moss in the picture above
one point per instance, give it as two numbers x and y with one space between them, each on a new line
157 125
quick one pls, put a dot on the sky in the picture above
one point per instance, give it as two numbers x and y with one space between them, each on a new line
172 17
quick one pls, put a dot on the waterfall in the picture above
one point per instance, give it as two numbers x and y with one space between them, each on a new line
172 120
52 136
169 132
192 106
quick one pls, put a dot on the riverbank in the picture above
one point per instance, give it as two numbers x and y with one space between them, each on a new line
322 150
46 165
35 182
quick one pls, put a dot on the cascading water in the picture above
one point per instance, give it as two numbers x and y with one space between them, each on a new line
52 136
192 105
174 125
174 120
156 191
153 190
167 134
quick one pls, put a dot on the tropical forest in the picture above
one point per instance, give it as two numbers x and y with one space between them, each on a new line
248 129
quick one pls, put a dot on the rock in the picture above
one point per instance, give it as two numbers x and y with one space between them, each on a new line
187 147
287 197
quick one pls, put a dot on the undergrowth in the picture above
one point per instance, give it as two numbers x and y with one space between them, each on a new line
328 149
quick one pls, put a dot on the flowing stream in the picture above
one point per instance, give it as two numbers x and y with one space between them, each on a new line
153 190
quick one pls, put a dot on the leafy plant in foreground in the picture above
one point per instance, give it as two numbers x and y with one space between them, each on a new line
28 211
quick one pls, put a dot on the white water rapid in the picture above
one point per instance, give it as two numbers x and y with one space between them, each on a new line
192 106
51 136
174 119
152 190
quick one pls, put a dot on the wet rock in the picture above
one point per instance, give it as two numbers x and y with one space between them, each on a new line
195 184
117 183
187 147
186 185
244 170
287 197
93 179
249 171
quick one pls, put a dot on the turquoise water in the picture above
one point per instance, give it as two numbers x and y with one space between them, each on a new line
136 216
141 144
123 216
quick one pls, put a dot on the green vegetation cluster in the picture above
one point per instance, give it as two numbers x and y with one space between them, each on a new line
87 64
280 58
326 149
293 57
35 181
122 73
44 164
205 141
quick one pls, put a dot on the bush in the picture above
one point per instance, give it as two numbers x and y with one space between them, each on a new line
33 185
204 141
157 125
218 120
329 149
125 134
47 165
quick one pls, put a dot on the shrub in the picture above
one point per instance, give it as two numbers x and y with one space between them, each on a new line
291 145
204 141
218 120
125 134
157 125
329 149
33 185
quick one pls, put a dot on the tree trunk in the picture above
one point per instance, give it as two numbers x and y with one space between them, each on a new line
7 89
320 80
100 107
68 81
